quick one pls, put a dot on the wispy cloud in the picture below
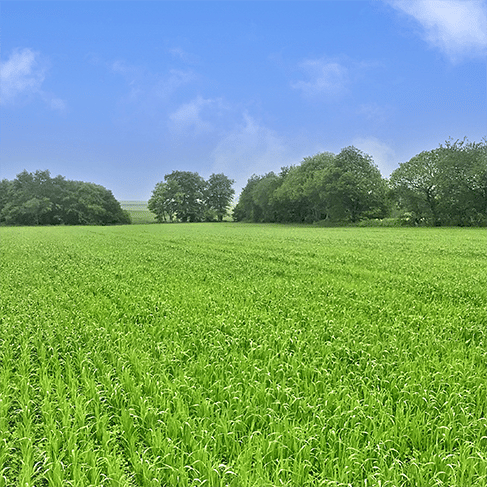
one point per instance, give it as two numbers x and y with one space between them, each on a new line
20 74
188 117
175 78
382 154
456 27
21 79
183 55
53 102
146 87
324 78
374 113
250 148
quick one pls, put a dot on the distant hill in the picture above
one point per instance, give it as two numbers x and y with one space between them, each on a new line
138 211
134 205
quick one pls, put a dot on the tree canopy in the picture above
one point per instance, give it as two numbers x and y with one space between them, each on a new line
38 199
343 187
219 194
186 196
443 186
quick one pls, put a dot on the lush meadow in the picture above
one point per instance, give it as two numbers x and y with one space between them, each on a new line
243 355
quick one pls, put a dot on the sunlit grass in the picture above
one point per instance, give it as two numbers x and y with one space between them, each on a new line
243 355
139 217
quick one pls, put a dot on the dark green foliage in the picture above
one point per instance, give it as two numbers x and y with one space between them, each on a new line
444 186
246 209
415 187
190 187
352 187
257 202
342 188
219 195
38 199
187 197
300 196
165 200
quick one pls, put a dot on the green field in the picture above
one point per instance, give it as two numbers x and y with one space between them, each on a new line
139 213
243 355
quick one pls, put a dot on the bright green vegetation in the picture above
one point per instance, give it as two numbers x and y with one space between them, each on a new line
243 355
141 216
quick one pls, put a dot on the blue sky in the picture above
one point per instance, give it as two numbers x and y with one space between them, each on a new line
121 93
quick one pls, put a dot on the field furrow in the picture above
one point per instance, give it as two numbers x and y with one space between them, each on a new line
243 355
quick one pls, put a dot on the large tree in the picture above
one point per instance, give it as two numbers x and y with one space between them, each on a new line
345 187
257 201
38 199
219 194
415 186
463 183
186 196
263 197
300 198
444 186
246 209
191 206
166 199
352 187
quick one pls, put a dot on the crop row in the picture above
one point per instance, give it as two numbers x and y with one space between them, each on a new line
242 355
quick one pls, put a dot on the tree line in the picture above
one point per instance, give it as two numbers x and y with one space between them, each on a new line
444 186
39 199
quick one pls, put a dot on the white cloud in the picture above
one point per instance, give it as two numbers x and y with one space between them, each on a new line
54 103
21 79
325 78
457 27
188 118
20 74
175 79
250 149
373 112
183 56
146 86
382 154
123 68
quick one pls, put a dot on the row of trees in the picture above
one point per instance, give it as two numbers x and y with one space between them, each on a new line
38 199
347 186
186 196
444 186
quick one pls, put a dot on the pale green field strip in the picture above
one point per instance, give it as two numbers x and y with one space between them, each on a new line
134 205
139 213
142 217
243 355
